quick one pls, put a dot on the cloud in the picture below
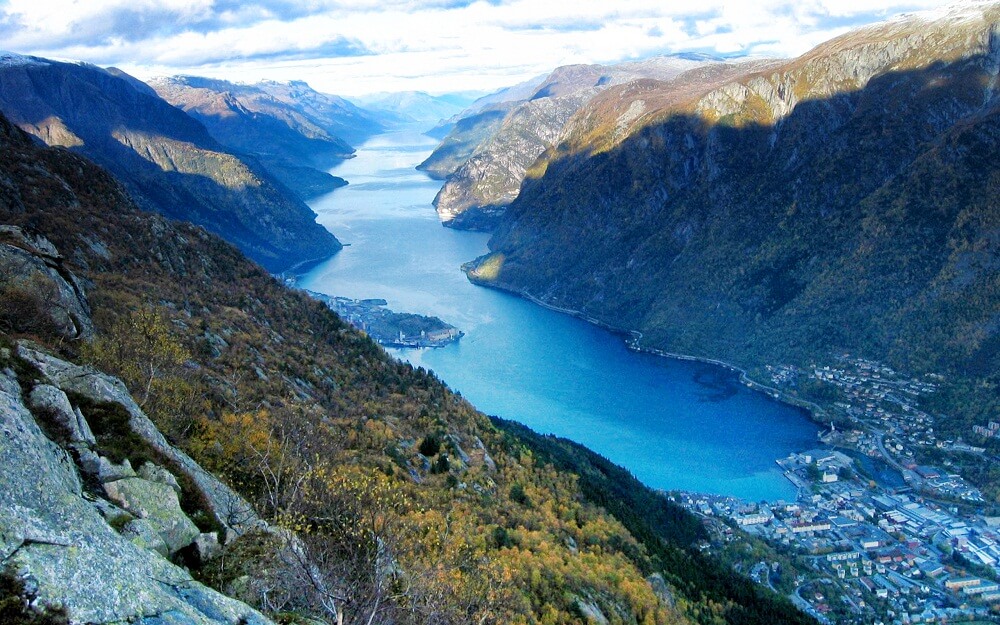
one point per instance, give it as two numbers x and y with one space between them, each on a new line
354 46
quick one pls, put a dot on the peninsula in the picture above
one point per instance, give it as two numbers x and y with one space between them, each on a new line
389 328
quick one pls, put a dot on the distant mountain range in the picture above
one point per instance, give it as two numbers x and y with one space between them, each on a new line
784 211
417 106
296 132
166 158
490 148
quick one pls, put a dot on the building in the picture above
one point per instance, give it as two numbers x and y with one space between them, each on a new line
962 582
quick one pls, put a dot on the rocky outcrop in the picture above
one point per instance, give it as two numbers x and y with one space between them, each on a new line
61 538
166 159
229 509
38 289
475 195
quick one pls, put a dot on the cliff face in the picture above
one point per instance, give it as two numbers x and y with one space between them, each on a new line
844 200
485 157
293 130
165 158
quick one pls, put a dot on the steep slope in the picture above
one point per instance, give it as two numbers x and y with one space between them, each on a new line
461 140
411 507
841 201
166 158
486 156
294 131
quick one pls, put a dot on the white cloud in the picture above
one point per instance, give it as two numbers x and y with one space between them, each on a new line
352 47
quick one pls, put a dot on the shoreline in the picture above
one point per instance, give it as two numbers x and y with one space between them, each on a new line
632 340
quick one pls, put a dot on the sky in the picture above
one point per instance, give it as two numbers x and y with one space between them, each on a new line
354 47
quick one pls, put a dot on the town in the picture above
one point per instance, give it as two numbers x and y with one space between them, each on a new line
874 535
388 328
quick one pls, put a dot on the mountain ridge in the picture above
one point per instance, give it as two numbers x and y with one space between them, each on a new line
486 156
167 159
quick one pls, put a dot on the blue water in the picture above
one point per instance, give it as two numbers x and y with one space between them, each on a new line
674 424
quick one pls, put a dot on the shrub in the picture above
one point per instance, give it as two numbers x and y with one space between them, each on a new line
430 446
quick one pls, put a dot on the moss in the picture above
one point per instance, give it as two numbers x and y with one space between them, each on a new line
119 521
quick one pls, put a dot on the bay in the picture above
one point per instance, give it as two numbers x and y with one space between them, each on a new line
676 425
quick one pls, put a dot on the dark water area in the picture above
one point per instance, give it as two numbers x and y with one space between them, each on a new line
674 424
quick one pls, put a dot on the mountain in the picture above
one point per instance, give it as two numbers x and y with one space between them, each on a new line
417 106
294 131
192 396
166 158
843 201
487 154
227 109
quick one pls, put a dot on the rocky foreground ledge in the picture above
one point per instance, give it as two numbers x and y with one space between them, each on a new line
83 528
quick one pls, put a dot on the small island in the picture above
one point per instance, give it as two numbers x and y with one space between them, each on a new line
389 328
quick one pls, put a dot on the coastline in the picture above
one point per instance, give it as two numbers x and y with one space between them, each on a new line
633 340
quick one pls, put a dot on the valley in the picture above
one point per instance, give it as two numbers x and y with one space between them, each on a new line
674 424
817 506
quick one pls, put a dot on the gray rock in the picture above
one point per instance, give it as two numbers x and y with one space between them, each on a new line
49 532
158 504
54 402
34 266
487 460
89 461
207 546
228 508
458 449
35 244
113 515
662 589
142 534
155 473
591 611
108 471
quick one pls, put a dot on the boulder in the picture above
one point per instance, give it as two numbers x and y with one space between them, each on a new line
229 509
49 399
89 461
156 473
157 504
142 534
108 471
